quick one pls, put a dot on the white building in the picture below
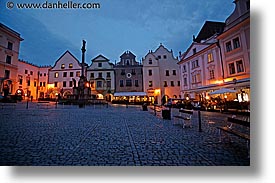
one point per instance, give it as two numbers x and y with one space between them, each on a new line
101 76
9 51
161 77
61 75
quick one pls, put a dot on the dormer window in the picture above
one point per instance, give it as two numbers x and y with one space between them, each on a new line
150 61
99 64
70 65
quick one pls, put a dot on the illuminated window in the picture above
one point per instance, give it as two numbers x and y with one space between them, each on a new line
210 57
63 66
150 84
70 65
56 75
77 73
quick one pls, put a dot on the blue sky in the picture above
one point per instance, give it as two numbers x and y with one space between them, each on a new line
119 25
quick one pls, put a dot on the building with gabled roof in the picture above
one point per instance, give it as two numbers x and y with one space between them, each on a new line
101 76
66 69
161 77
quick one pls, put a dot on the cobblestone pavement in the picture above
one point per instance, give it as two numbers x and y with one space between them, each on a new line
115 136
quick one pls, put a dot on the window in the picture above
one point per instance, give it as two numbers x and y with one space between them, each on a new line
44 84
64 74
195 64
7 74
99 84
194 51
29 82
228 46
62 66
34 83
185 81
40 74
55 84
165 83
172 83
150 61
133 72
20 79
210 57
70 65
240 67
99 64
136 83
10 45
56 75
159 57
45 74
174 72
231 68
150 84
71 74
100 74
121 83
165 56
236 43
77 73
108 84
31 73
8 59
150 72
184 68
127 62
64 83
92 75
108 74
128 82
167 73
40 84
178 83
71 84
196 77
26 71
123 72
211 74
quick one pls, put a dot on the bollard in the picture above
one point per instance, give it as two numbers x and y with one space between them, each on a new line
199 116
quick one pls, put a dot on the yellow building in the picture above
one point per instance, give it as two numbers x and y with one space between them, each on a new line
9 51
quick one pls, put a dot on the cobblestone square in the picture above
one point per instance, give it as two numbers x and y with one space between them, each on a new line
113 136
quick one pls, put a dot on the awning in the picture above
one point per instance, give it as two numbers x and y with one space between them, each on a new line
128 94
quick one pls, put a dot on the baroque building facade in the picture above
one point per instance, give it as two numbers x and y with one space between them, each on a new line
219 57
101 76
62 75
9 51
161 77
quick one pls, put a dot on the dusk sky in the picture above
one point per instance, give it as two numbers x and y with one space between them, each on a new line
119 25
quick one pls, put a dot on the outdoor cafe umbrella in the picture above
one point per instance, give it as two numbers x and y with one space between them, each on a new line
222 91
